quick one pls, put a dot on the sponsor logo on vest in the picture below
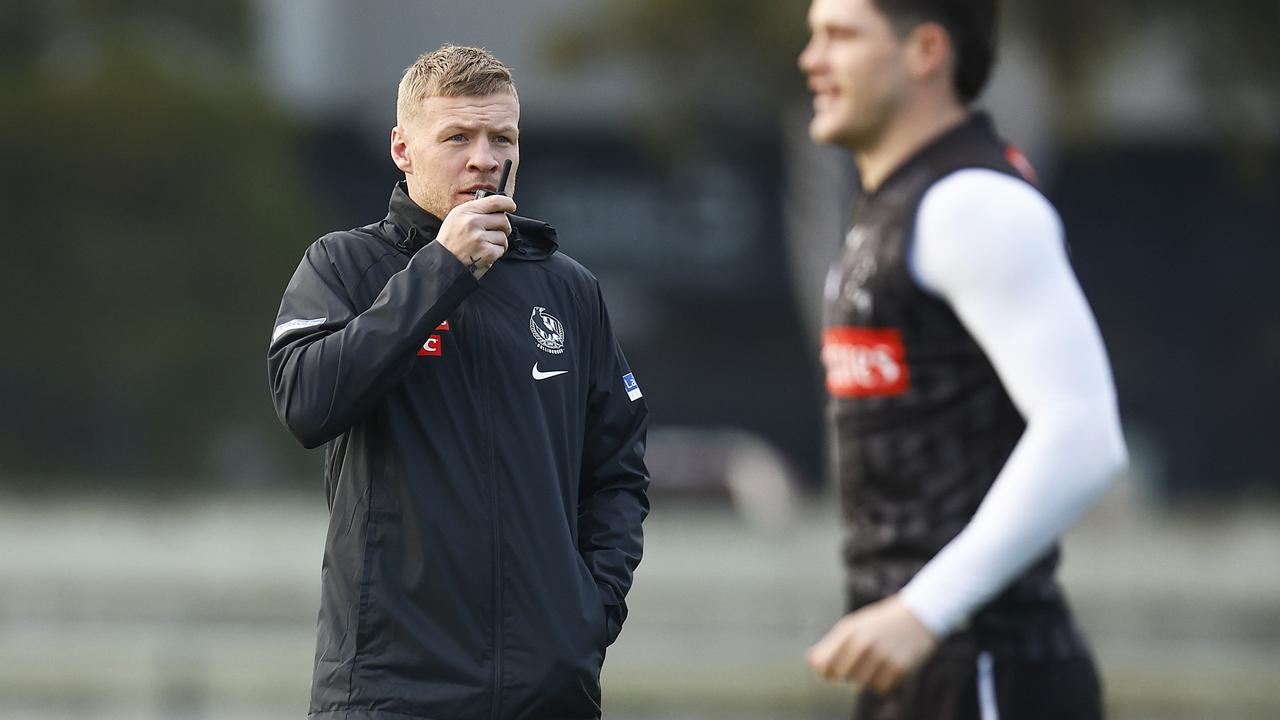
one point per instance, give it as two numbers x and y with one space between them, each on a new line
547 331
864 362
1019 161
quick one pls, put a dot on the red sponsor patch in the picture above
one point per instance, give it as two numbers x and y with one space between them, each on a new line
862 362
432 347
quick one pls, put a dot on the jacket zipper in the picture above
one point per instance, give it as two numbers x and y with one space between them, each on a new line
496 527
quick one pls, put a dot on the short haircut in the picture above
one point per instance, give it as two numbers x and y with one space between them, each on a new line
971 24
451 71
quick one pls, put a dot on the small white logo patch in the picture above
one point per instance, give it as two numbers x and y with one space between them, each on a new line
543 375
288 327
632 387
547 331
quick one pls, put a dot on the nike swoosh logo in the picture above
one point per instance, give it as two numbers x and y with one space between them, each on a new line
539 375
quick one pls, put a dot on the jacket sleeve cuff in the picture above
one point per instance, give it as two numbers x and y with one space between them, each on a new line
435 259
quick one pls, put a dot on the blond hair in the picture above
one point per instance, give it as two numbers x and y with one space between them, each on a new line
451 71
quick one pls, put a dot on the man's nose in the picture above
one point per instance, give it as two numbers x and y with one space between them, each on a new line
481 158
809 57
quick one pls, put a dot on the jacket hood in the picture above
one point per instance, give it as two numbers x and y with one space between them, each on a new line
412 227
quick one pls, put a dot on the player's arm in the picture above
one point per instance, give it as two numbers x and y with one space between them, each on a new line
328 364
613 499
993 248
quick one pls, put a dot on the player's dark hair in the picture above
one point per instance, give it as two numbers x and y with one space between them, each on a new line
971 24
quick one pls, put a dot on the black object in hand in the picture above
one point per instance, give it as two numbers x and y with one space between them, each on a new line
502 182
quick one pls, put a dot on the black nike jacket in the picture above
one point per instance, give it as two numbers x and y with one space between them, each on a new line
484 445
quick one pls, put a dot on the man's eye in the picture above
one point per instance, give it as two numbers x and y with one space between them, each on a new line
503 140
458 138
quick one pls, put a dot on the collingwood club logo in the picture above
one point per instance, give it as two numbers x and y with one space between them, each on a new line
547 331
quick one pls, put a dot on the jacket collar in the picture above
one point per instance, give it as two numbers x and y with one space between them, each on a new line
414 227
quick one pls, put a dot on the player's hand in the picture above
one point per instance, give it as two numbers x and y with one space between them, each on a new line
873 648
476 231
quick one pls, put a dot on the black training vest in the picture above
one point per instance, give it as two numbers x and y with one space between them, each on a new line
922 424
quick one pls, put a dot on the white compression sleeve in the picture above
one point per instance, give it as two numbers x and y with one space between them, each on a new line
992 247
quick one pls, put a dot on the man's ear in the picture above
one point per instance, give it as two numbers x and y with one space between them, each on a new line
400 151
929 51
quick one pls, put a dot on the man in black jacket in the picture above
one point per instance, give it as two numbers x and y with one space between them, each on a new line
484 436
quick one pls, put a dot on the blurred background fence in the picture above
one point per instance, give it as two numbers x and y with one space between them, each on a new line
163 166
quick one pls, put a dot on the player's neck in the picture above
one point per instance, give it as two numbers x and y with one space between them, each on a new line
905 136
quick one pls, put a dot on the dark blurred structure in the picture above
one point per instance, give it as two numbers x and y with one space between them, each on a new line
163 168
1176 248
147 183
